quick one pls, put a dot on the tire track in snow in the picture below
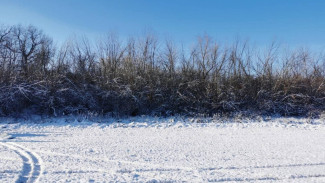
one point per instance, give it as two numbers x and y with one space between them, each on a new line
151 166
31 170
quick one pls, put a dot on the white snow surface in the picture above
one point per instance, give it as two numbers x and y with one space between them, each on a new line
149 149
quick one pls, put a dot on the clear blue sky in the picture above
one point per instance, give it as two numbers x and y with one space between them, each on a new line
295 22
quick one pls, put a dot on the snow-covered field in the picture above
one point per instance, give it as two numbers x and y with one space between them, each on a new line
162 150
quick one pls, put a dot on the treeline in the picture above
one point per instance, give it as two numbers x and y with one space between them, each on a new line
147 76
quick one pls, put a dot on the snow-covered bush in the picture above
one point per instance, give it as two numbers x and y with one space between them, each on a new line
143 76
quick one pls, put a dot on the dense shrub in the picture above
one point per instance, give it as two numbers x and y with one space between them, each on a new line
148 77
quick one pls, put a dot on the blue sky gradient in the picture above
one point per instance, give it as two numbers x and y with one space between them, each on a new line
296 23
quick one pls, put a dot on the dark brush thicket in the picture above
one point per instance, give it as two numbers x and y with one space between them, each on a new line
145 76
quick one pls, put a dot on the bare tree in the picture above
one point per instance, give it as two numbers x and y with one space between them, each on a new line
29 42
5 54
84 58
169 58
111 54
148 47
